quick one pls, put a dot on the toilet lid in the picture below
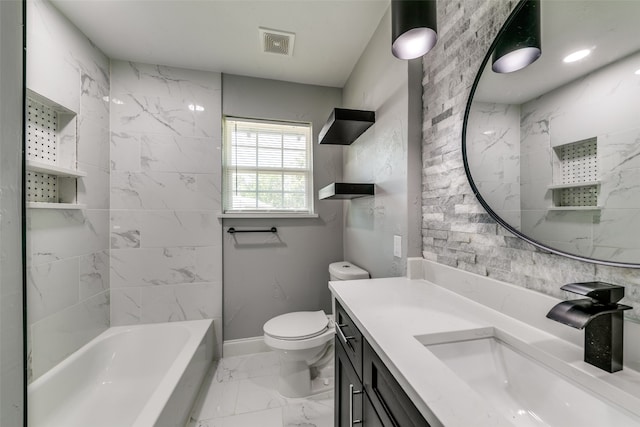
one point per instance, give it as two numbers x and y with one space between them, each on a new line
298 325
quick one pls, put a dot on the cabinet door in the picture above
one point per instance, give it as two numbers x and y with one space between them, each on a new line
348 390
370 416
392 404
351 338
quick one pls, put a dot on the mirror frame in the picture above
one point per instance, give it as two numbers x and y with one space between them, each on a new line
467 170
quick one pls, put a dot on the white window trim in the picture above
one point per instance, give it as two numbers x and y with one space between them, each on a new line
263 213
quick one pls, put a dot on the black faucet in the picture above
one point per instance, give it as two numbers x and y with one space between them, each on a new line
601 316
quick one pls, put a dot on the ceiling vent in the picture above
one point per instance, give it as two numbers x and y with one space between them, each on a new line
277 42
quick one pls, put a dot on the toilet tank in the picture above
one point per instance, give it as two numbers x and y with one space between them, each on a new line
344 270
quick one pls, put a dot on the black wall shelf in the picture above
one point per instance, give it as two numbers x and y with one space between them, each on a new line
343 190
345 126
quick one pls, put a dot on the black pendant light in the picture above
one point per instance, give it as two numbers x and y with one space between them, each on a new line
519 46
414 27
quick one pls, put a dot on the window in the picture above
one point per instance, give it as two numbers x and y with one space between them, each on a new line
267 167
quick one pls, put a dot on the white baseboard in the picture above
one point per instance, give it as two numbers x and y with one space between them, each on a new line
244 346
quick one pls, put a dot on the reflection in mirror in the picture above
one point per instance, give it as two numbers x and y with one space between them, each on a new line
553 150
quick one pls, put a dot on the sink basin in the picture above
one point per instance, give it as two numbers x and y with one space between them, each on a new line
522 389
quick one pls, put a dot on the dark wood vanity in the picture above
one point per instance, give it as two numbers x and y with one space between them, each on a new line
366 392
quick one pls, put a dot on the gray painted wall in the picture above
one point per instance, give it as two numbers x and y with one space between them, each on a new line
11 356
268 275
466 237
387 154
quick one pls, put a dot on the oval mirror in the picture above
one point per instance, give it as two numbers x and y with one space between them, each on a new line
552 151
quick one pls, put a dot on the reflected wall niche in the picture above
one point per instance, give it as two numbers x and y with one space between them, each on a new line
511 138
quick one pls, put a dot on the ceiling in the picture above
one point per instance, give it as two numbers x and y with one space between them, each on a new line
222 35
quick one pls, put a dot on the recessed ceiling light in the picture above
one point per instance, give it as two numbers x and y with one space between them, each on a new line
577 56
637 72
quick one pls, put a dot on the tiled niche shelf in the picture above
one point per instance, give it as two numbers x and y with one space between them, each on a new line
575 171
51 155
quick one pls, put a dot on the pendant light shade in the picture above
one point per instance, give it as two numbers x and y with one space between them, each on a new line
414 27
519 46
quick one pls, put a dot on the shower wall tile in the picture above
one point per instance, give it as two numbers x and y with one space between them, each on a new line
161 228
166 258
166 153
64 332
125 152
162 190
125 306
52 287
54 235
181 302
157 80
94 274
151 115
162 266
91 147
93 189
67 250
448 78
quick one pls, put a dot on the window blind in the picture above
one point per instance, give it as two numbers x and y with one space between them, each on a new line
267 166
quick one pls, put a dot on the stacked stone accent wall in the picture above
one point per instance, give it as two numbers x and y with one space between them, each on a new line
456 230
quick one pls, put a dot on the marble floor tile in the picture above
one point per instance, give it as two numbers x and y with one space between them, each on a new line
241 391
316 411
256 394
249 366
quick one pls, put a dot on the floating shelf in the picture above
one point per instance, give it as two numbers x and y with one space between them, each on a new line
40 167
344 126
342 190
575 208
46 205
574 185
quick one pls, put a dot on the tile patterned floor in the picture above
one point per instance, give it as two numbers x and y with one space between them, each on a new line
241 391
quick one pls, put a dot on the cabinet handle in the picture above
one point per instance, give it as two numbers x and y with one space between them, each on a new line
345 339
352 392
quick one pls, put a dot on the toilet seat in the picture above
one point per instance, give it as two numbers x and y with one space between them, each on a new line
298 330
299 325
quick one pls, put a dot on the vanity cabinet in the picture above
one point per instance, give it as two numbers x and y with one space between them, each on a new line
348 390
391 403
366 393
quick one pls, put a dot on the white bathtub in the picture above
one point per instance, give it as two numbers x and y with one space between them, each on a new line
128 376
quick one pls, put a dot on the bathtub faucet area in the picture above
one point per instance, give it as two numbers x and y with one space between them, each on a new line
601 317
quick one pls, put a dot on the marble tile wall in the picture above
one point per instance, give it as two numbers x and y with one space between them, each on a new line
11 341
574 113
494 158
68 250
387 154
466 237
165 237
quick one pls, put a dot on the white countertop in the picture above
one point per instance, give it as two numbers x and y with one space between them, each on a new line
391 312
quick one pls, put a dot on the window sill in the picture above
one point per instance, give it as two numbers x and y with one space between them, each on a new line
256 215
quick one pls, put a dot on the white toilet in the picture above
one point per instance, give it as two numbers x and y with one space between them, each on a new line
304 339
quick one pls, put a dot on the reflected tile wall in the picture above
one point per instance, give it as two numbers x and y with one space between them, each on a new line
493 147
166 258
572 113
68 262
458 239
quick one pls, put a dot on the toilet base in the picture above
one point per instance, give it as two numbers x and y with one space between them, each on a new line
295 379
298 379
